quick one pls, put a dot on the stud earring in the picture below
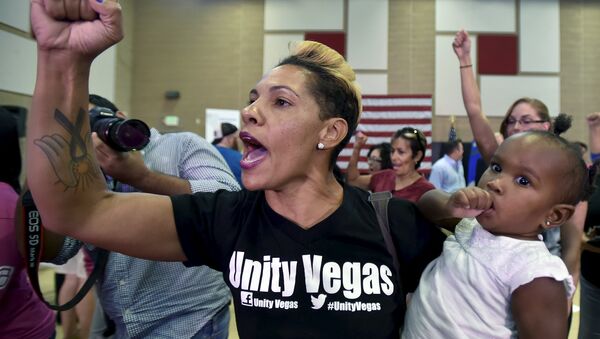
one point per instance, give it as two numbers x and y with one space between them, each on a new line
321 146
547 223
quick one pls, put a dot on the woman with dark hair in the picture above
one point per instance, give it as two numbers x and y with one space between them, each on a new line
523 115
302 253
378 156
403 180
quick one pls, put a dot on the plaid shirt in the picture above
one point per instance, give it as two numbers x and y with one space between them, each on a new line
165 299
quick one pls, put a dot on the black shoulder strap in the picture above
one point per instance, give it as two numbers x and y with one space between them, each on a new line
33 244
380 200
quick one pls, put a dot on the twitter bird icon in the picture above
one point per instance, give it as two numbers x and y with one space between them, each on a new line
318 302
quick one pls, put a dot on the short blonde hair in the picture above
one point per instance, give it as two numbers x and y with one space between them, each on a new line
332 83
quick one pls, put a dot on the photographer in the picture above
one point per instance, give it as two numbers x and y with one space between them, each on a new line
227 141
151 298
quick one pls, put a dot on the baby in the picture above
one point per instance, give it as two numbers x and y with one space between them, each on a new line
495 278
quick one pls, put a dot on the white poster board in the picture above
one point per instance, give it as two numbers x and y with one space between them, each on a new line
476 16
367 34
215 116
539 36
304 15
15 13
498 92
18 60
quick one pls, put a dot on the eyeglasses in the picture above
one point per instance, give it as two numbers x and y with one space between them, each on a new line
523 122
372 159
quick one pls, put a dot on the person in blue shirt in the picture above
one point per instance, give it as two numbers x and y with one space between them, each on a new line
227 143
448 173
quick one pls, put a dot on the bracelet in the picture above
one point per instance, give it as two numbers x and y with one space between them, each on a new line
466 66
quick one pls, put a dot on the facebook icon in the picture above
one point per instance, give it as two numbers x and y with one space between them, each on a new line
246 298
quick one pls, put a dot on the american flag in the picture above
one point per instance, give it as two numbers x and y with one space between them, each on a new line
452 137
382 116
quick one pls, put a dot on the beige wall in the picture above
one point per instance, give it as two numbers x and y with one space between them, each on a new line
411 44
211 51
208 50
124 63
412 59
580 62
195 45
412 63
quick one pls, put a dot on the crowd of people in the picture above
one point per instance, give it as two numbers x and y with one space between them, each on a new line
273 229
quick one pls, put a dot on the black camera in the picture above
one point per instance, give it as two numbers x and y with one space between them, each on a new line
120 134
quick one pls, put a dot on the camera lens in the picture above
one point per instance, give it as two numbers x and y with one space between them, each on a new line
123 135
132 134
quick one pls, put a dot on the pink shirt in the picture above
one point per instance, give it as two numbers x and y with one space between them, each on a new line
22 314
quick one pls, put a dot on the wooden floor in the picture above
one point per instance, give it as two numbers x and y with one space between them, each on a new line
47 286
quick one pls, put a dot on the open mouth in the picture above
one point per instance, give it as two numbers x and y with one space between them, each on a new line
397 167
254 151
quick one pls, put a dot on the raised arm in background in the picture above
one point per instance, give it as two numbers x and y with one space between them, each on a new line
63 173
593 121
352 173
483 134
480 126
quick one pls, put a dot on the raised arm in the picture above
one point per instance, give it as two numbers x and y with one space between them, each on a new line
482 130
593 121
352 174
63 175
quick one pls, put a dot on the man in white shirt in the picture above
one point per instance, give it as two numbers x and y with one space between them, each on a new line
448 173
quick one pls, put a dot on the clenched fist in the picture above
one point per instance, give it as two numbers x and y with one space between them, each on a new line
81 27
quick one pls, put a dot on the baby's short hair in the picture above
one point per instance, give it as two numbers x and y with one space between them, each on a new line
576 184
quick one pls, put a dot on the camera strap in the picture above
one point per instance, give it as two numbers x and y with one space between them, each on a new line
380 200
34 237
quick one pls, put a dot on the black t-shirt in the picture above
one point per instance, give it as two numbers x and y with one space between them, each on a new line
590 261
334 280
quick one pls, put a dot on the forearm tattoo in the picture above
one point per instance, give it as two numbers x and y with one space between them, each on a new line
71 161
